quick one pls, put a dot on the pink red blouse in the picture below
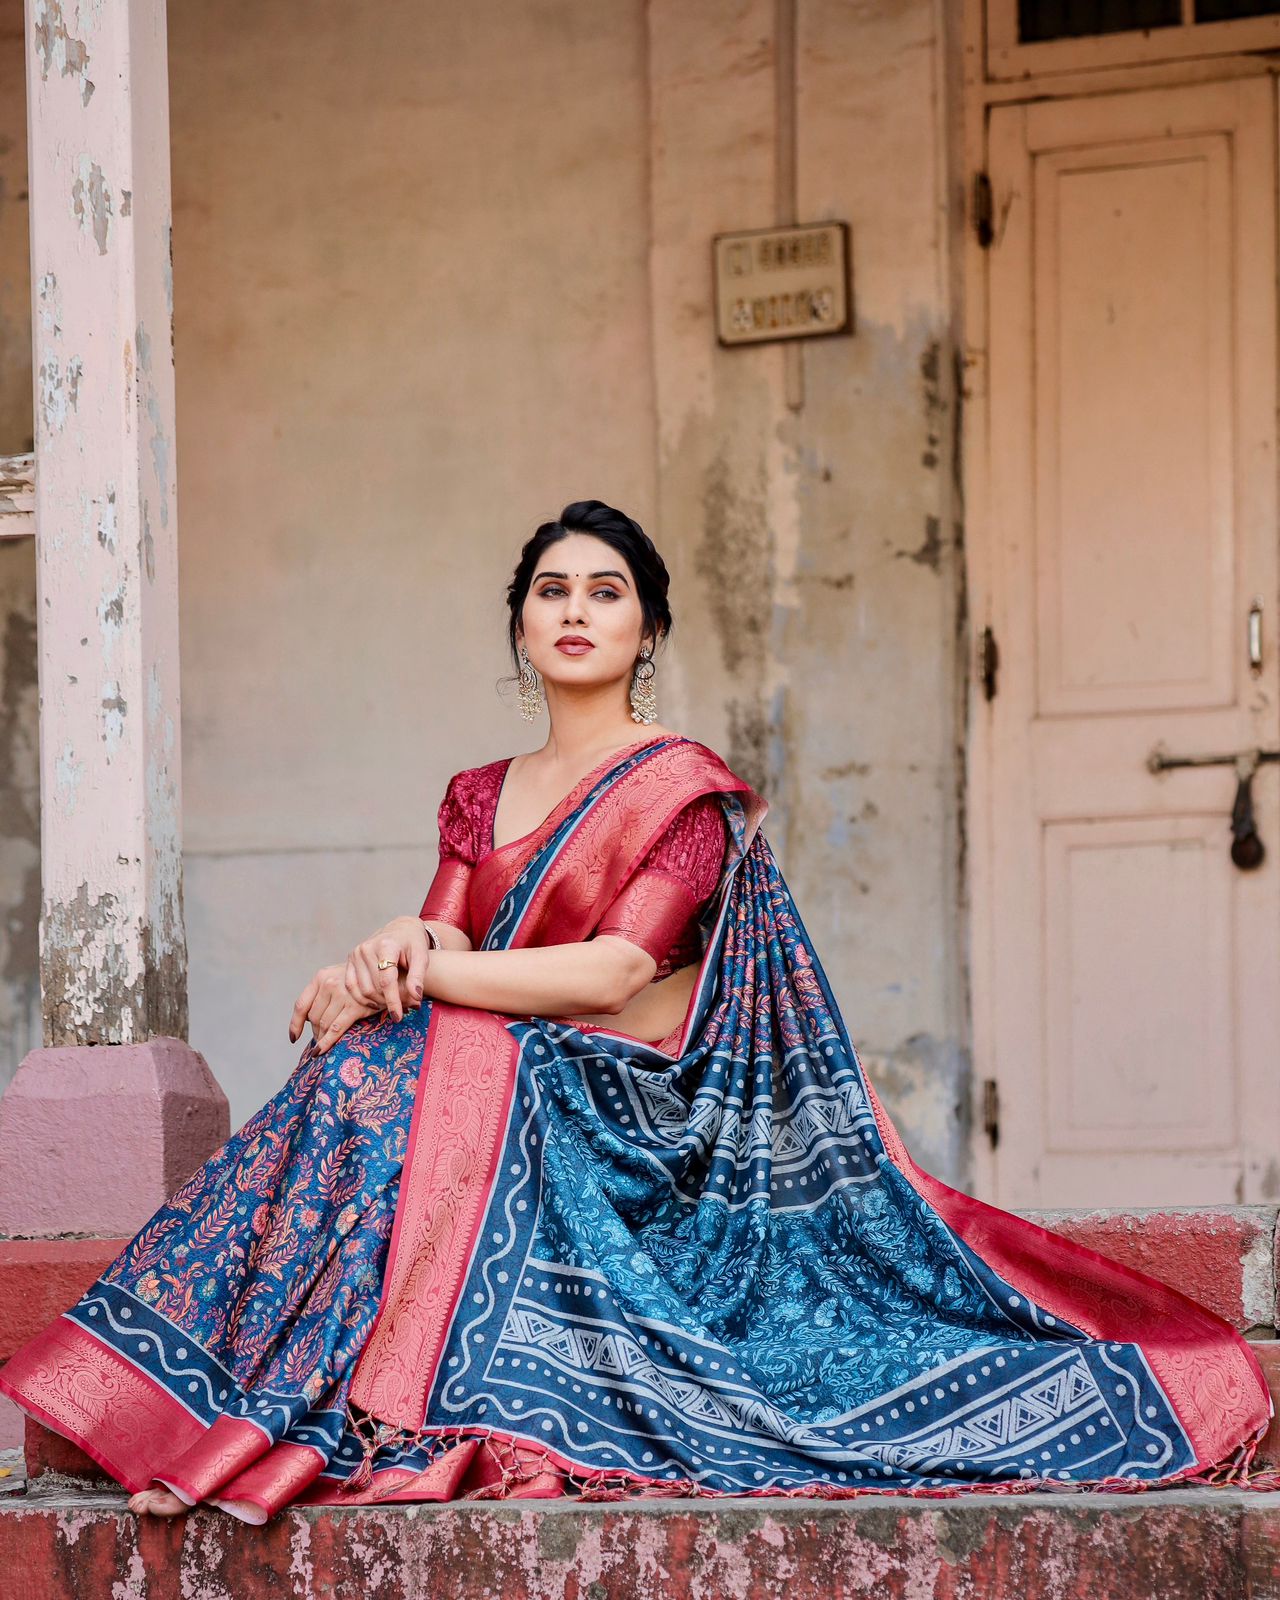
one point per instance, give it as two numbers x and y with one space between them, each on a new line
658 907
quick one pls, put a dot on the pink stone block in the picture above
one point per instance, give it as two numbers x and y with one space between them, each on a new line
1268 1354
95 1138
46 1451
1222 1256
41 1277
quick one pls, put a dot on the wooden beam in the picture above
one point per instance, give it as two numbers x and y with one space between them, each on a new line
17 496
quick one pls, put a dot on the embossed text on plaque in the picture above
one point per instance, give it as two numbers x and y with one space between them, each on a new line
782 283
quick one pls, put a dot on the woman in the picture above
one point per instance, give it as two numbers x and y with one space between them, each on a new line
580 1184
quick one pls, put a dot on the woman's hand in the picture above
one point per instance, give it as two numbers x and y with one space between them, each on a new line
330 1007
402 945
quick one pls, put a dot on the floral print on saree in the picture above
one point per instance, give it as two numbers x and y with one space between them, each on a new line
472 1254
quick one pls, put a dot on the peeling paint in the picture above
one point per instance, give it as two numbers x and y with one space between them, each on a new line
160 442
91 202
114 710
111 612
109 978
146 544
58 49
132 1582
59 391
68 773
130 397
107 522
48 302
1179 1544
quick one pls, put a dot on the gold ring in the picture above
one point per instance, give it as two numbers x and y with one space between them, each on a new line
383 965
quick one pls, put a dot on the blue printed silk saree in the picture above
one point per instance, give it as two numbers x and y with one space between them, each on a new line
476 1254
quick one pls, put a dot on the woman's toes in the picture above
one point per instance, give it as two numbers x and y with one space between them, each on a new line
157 1503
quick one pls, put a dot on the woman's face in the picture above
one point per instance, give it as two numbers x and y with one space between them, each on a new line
581 621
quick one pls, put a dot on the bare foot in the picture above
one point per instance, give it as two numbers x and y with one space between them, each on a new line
157 1503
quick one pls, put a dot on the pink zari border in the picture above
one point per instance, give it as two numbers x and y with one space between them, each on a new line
1212 1378
455 1141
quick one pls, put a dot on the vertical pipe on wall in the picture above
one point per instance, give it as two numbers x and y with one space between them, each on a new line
785 169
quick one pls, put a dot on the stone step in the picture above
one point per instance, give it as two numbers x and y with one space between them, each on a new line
1268 1354
49 1454
70 1535
1179 1544
1222 1256
38 1279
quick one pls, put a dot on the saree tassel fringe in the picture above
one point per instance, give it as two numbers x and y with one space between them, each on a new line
485 1256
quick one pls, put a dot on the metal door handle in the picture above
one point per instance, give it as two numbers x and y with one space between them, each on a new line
1161 761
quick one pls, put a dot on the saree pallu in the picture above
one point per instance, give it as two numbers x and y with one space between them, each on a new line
469 1254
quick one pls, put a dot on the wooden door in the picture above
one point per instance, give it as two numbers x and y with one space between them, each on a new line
1132 972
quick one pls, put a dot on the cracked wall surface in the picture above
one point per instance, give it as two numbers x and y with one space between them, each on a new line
424 297
820 548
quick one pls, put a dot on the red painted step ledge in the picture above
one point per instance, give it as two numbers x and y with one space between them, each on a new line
1222 1256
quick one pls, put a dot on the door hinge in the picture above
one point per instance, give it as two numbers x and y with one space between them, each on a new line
983 210
991 1110
988 662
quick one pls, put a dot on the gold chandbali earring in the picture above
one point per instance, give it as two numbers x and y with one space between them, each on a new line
530 693
644 703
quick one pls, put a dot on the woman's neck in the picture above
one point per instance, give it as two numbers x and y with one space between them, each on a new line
580 734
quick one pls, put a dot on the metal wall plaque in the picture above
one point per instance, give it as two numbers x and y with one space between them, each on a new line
782 283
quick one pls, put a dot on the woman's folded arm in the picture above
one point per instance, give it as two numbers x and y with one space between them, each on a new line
599 975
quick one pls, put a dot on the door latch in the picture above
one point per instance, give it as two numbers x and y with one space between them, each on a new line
1247 849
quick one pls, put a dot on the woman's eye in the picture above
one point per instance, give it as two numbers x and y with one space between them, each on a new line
551 591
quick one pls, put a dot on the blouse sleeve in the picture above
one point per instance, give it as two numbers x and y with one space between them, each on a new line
673 882
446 899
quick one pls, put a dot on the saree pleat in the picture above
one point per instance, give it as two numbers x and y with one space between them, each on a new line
488 1256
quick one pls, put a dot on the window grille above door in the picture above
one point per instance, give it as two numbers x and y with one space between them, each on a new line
1027 37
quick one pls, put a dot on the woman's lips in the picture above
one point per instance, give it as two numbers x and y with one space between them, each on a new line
574 647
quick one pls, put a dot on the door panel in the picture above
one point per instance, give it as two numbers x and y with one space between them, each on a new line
1129 363
1134 971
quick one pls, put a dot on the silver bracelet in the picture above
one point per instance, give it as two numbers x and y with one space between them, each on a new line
433 938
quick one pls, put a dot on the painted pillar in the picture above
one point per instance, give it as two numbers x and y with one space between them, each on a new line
100 1136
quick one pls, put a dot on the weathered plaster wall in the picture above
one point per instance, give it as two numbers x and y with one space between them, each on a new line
412 322
19 712
820 547
438 276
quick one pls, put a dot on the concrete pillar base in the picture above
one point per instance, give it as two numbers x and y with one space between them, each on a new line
95 1138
